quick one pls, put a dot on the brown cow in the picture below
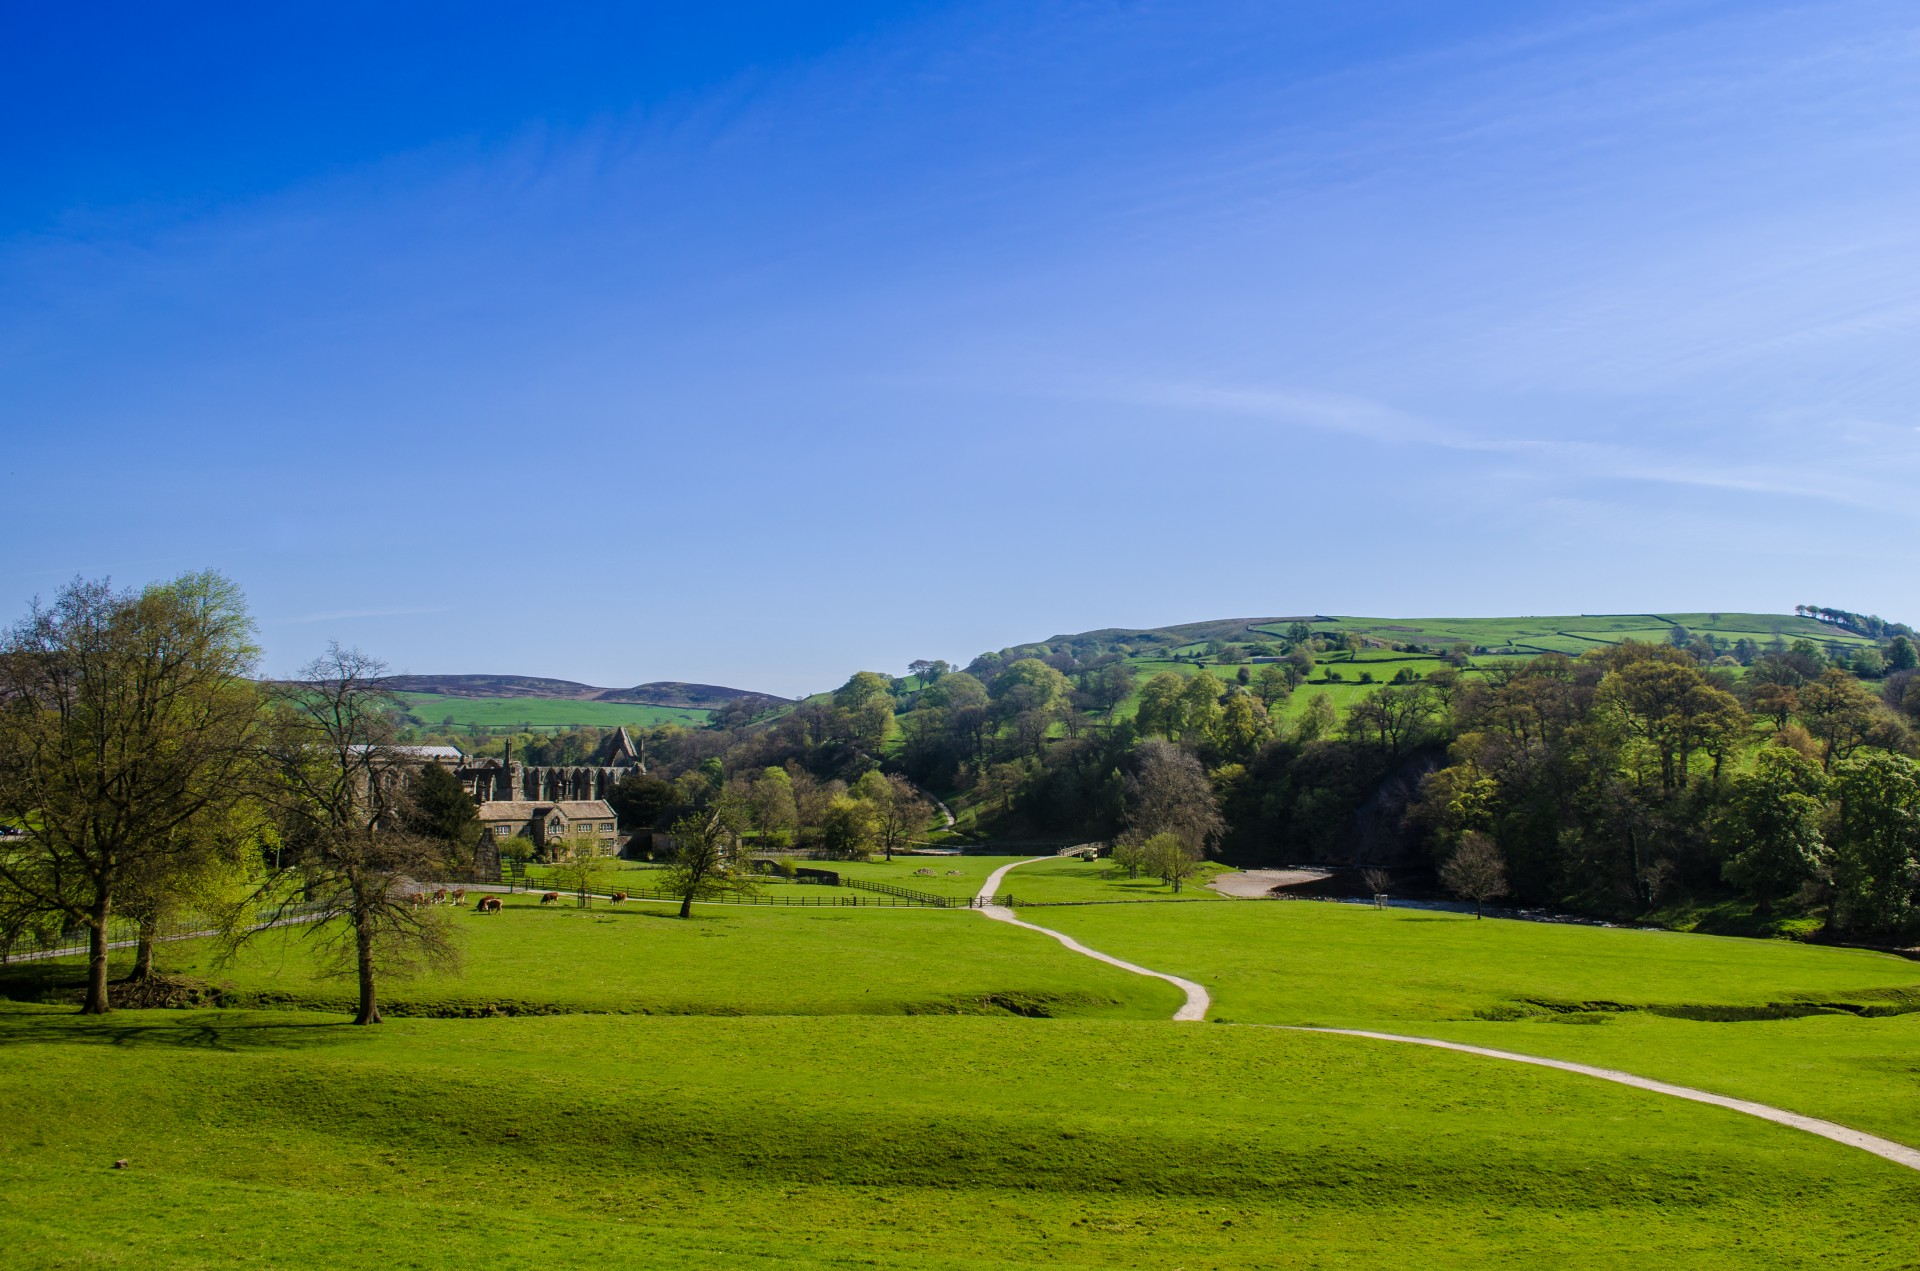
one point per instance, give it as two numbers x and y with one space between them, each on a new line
418 899
439 895
488 905
619 896
547 898
459 895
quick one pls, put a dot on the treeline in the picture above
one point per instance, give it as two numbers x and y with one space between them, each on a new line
1630 779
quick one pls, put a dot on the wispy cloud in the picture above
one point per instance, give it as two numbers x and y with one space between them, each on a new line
1877 481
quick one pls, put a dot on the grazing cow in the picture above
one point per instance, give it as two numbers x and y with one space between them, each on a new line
547 898
923 873
488 905
440 896
619 896
459 895
418 899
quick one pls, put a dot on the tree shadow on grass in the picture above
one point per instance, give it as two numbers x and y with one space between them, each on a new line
189 1030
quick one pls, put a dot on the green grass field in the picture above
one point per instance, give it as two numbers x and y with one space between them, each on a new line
1829 1032
726 960
277 1138
854 1088
435 710
1043 881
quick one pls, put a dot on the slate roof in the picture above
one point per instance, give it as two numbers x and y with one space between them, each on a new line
527 809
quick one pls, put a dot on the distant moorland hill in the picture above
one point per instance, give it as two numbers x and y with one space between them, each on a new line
658 693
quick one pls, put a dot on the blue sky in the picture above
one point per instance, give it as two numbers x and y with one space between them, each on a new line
759 346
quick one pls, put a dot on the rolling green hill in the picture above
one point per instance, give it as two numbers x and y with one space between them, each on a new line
1567 633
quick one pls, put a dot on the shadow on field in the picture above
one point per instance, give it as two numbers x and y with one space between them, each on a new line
222 1031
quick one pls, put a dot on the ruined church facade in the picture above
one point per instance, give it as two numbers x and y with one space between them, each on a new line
488 780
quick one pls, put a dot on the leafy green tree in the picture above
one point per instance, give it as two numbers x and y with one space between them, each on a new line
771 805
1107 686
575 865
1392 718
1769 834
1030 685
1162 709
1318 719
1876 843
898 810
863 687
1200 706
1776 702
1243 725
128 723
1271 684
706 862
639 798
1839 712
1901 654
1662 698
442 810
955 691
1171 858
850 828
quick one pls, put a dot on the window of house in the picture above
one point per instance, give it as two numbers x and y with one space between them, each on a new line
502 831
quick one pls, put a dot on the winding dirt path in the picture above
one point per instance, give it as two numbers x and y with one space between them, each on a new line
1198 1002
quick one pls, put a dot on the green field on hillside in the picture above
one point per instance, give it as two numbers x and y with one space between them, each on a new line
1574 633
434 710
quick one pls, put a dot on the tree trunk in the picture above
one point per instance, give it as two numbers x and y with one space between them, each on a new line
686 905
143 951
96 1002
363 953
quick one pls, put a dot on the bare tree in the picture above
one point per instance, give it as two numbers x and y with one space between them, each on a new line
125 720
706 860
1376 880
1476 871
340 792
1168 793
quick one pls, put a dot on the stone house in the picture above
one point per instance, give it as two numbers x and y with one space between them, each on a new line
555 826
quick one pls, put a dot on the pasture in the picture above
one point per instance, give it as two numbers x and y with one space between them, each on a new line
791 1087
568 1141
727 960
1045 881
435 710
